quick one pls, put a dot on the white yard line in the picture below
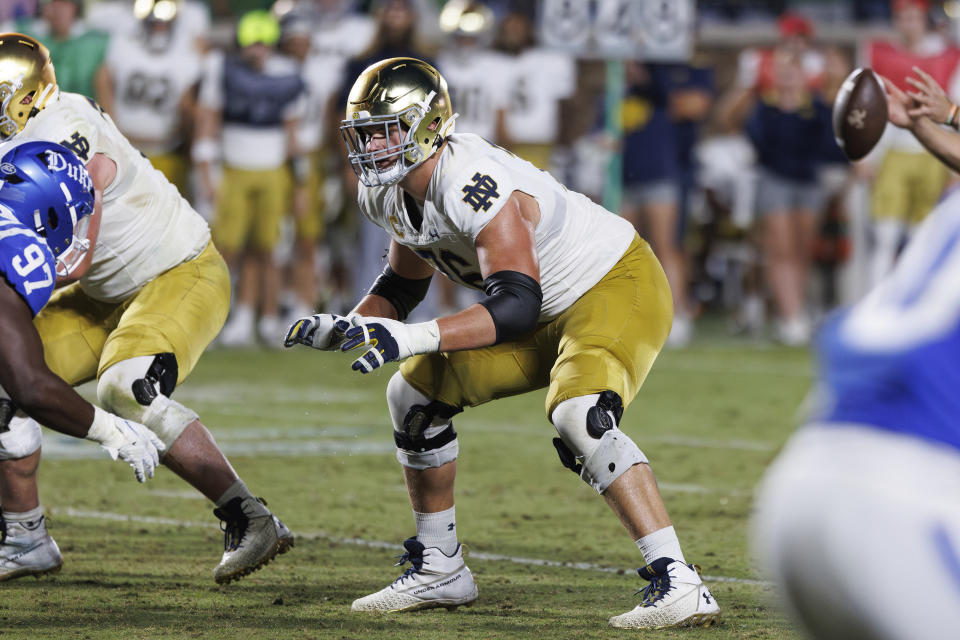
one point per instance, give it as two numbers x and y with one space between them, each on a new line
375 544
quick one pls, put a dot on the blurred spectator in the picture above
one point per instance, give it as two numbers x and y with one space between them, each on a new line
755 69
76 51
475 74
651 179
253 100
119 18
396 36
908 180
16 9
321 73
787 129
149 90
337 30
539 81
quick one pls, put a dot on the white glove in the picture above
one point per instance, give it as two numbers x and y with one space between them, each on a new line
132 442
388 340
320 331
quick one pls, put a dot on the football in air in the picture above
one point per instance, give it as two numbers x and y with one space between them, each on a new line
860 113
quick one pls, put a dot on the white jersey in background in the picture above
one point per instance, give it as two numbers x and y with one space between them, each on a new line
540 79
477 90
115 17
346 37
148 86
578 241
322 73
147 228
250 147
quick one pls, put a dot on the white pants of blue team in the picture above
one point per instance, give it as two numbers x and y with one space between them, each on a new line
860 530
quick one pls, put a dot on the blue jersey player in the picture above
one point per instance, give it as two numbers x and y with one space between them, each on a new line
46 203
859 517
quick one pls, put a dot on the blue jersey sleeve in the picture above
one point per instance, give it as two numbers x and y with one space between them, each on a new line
27 265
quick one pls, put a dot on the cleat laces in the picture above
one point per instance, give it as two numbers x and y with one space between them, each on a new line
233 523
413 555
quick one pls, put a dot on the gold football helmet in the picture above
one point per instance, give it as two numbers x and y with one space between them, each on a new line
27 81
397 95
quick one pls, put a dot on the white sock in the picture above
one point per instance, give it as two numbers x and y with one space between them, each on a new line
438 530
237 490
662 543
31 521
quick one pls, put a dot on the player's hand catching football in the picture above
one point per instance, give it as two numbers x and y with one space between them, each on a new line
131 442
388 340
321 331
929 98
898 105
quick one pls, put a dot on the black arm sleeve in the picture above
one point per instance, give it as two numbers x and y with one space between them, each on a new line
513 299
403 293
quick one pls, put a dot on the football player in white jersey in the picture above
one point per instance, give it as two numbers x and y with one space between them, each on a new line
575 301
152 293
150 76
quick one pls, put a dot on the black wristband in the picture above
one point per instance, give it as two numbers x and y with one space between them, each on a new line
403 293
513 300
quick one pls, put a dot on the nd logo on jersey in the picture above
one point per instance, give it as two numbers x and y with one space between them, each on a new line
481 193
78 144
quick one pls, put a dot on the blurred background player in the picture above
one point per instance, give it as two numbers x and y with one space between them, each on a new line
788 127
249 111
77 50
122 18
321 72
540 81
151 294
150 89
908 181
878 468
46 201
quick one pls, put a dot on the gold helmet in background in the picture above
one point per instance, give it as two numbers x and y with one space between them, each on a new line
27 81
398 94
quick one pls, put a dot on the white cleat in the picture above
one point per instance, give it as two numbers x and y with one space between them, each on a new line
252 538
27 550
238 331
675 597
434 580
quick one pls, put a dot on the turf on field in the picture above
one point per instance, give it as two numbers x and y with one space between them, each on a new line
313 438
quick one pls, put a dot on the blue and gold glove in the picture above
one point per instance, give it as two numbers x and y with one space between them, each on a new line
388 341
321 331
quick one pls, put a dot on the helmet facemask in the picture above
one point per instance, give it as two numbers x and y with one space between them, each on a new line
390 164
8 126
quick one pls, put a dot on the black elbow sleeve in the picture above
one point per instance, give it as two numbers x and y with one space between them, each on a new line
513 300
403 293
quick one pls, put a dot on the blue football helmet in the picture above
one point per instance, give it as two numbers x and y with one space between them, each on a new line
45 187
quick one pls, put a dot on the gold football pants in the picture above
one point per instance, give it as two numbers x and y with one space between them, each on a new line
608 339
180 312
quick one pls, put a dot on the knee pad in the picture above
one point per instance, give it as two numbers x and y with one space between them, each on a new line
422 428
139 389
590 444
20 436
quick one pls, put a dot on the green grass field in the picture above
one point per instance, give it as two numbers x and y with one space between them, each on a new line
313 438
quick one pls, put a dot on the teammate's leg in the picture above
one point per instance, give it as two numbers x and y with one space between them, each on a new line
173 318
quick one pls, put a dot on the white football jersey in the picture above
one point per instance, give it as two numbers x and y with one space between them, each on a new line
148 86
477 90
540 79
578 241
322 73
146 227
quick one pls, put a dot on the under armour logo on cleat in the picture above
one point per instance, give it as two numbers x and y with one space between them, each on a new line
451 526
706 596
